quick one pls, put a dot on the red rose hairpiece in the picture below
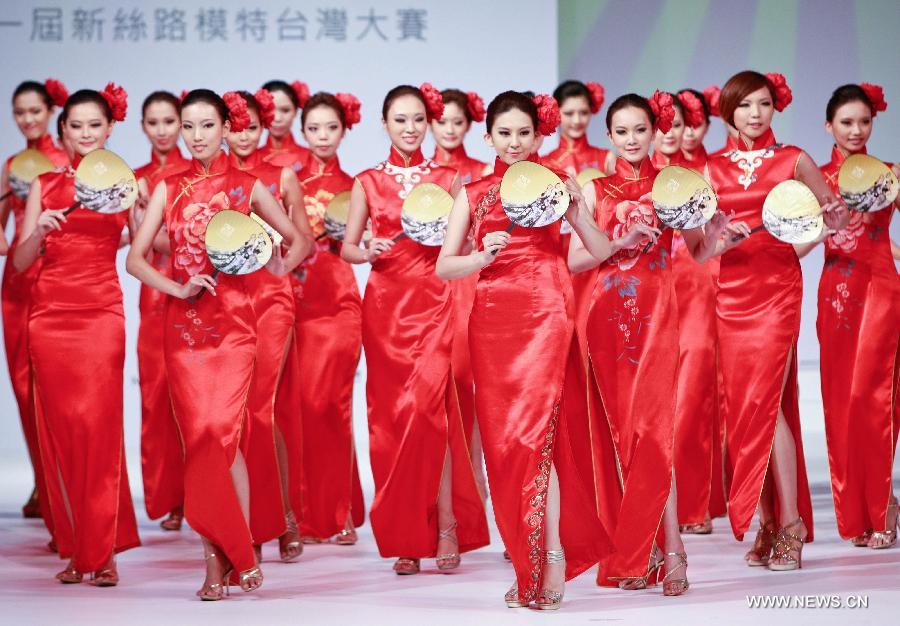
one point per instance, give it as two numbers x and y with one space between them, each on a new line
434 101
301 90
663 106
875 93
117 99
711 94
783 94
598 95
476 106
693 109
266 104
548 114
351 106
184 93
238 114
57 91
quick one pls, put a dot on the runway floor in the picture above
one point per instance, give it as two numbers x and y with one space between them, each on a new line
337 585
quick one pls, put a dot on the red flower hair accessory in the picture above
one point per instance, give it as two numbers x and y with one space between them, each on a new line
57 91
475 105
351 106
663 106
598 95
783 94
184 93
876 96
434 101
548 114
117 99
711 94
238 114
693 109
301 90
266 104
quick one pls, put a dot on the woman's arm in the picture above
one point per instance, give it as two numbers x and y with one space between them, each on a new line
834 211
136 262
715 237
265 204
36 225
356 224
4 204
451 263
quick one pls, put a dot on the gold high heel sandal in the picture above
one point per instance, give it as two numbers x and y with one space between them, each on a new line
346 537
786 543
652 578
703 528
174 520
512 598
862 540
549 600
250 579
676 586
290 550
107 576
761 551
451 560
887 538
406 567
70 575
214 591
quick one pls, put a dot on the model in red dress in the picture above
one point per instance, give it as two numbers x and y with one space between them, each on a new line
271 510
859 337
210 343
329 331
281 149
76 330
632 336
758 305
530 400
460 111
426 501
162 457
33 105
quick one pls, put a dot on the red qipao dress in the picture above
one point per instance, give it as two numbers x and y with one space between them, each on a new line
698 442
407 332
329 332
573 156
162 456
695 159
16 300
210 352
632 335
468 170
273 302
758 311
529 395
859 339
76 335
285 152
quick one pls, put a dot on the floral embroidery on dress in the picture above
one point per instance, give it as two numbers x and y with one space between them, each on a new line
847 239
538 502
406 177
315 209
190 238
748 162
628 213
843 303
487 201
193 330
629 321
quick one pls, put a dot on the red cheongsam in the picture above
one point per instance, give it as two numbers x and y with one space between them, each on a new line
758 321
329 333
210 353
407 331
530 394
77 344
285 152
16 300
632 335
162 457
697 159
859 337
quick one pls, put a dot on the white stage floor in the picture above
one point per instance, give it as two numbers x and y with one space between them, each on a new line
336 585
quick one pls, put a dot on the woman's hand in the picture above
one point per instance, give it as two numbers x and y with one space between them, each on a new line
195 285
377 247
493 242
735 234
577 203
636 234
835 214
48 221
276 265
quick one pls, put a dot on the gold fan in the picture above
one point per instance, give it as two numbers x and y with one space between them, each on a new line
682 198
23 169
587 175
792 214
532 195
425 212
336 213
236 243
104 183
866 184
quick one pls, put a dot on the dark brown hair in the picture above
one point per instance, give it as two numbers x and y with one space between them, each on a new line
86 96
398 92
323 99
460 99
282 86
629 100
36 87
207 96
844 94
508 101
739 87
160 96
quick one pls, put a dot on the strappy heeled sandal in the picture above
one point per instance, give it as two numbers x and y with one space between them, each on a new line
290 550
786 543
653 576
549 600
174 520
886 538
107 576
250 579
451 560
70 575
676 586
760 553
862 540
512 598
214 591
406 567
703 528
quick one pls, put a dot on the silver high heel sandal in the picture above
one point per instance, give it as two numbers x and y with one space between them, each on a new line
548 600
450 560
215 591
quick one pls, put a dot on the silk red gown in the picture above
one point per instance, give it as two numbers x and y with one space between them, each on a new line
15 301
273 302
210 353
162 457
76 331
530 394
695 159
632 336
463 289
407 332
329 332
285 152
859 338
758 308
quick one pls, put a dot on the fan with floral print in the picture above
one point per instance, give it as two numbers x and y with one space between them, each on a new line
792 214
424 215
532 195
104 184
866 184
23 169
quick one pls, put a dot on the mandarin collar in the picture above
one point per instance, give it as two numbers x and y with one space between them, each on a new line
500 166
763 141
445 157
660 160
838 157
247 163
219 165
625 169
44 143
397 158
697 155
574 145
321 168
285 143
174 157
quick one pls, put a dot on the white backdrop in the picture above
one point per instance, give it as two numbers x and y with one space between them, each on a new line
117 40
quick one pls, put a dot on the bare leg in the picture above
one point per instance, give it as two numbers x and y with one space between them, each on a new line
289 544
477 455
241 483
554 577
447 542
676 568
